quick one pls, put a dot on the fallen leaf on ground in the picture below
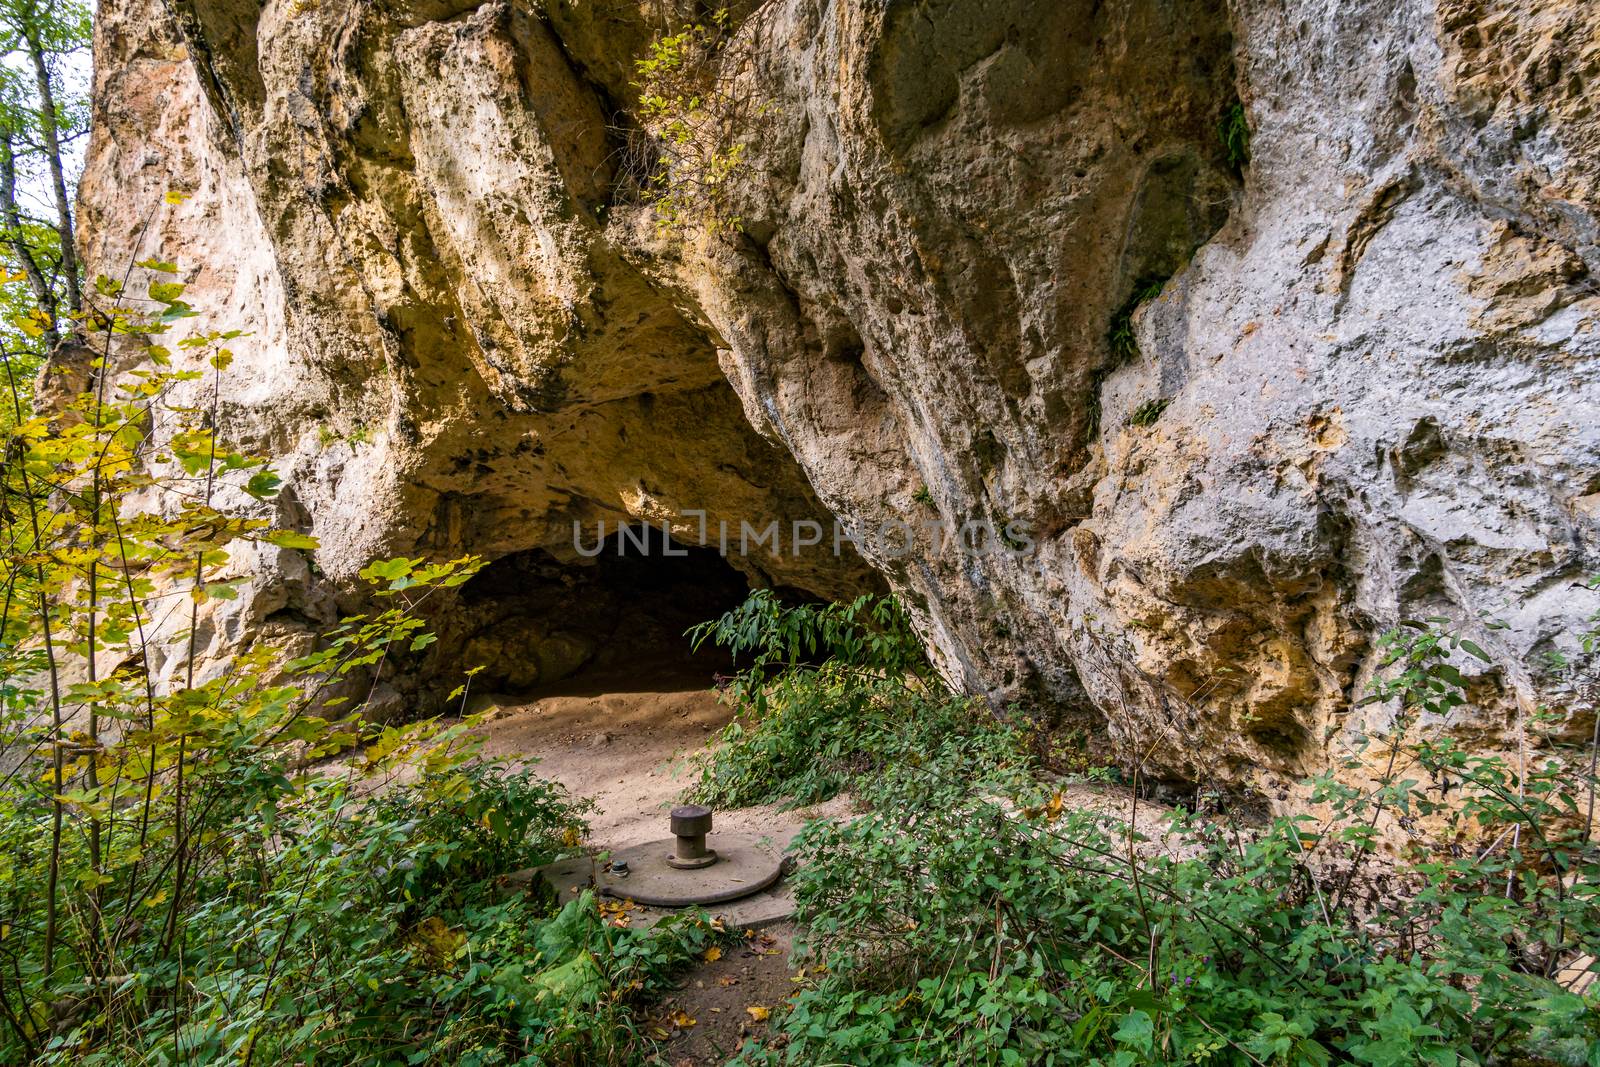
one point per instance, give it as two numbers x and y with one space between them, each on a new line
682 1019
758 1012
713 954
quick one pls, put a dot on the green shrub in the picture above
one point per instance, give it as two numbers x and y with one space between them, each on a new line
184 876
699 117
964 934
969 916
337 929
838 696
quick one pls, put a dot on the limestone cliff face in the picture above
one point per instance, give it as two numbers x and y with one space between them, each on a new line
446 354
1369 386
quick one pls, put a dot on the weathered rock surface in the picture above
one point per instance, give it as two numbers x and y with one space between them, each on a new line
445 354
1369 388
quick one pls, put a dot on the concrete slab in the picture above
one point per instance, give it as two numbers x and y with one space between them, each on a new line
570 877
742 865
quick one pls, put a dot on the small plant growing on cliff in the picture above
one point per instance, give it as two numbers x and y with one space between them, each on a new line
1149 412
1124 346
698 108
1234 132
1122 342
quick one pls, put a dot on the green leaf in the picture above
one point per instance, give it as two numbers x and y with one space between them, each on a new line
387 570
166 292
1137 1029
263 484
292 539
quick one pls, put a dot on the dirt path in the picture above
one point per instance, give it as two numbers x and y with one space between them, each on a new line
625 739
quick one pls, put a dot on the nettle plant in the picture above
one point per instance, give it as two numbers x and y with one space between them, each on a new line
831 694
230 862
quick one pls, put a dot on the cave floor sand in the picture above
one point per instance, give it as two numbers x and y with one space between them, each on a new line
624 739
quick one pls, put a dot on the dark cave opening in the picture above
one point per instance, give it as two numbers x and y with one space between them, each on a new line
533 619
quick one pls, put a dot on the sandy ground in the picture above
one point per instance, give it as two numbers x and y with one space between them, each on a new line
625 741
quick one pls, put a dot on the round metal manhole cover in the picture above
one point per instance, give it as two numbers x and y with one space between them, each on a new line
745 864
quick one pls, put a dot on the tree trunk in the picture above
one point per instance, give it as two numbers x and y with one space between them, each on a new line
58 180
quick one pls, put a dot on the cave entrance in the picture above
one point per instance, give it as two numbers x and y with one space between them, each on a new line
536 622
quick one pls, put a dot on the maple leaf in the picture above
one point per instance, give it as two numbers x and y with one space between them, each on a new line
712 954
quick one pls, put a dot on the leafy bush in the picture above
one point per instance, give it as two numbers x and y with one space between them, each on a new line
971 917
338 929
960 933
838 695
185 877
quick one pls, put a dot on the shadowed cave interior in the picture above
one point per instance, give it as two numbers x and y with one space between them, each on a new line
531 619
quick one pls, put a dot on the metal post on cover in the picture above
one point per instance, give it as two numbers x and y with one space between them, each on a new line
690 825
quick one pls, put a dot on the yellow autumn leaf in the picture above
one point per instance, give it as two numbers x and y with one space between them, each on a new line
713 954
682 1019
758 1012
